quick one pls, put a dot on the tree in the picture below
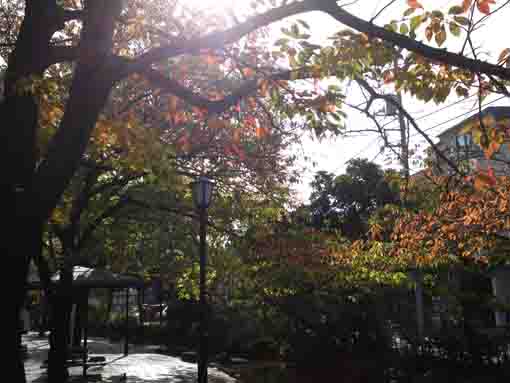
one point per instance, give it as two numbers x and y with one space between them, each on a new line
348 200
44 35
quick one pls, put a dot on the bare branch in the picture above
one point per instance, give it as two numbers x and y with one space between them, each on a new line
382 10
402 110
216 106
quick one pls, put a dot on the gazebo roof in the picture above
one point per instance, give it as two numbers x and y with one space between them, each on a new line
94 278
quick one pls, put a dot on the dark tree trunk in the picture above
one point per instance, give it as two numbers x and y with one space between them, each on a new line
23 233
139 303
61 303
30 195
109 305
16 254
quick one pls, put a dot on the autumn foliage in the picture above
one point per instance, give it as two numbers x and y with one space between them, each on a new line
468 224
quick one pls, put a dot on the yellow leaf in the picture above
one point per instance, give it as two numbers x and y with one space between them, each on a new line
466 129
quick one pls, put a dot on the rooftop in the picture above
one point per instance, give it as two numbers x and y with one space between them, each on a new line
498 112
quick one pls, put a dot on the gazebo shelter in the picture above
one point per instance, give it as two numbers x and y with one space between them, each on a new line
84 280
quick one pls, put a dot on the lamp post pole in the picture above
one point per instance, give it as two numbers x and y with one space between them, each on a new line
204 332
202 192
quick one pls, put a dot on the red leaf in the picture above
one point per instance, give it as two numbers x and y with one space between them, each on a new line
388 76
414 4
484 7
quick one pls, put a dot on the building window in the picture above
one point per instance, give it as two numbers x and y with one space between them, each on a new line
464 141
464 146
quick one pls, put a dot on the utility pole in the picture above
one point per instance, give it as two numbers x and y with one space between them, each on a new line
404 140
417 274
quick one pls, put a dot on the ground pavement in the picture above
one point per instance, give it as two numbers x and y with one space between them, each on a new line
142 365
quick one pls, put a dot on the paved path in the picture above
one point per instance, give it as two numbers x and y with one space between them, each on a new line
142 365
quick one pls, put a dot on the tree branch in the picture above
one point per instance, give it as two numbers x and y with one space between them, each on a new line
61 53
435 54
216 106
68 15
402 110
87 233
214 40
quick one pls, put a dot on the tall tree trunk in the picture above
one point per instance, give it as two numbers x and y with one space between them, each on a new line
18 113
23 233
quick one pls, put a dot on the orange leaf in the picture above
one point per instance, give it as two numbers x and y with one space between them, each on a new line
248 72
491 149
503 56
211 60
263 86
466 4
414 4
484 179
236 136
260 132
216 124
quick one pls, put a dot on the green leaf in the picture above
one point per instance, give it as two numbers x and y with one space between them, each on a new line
438 14
282 41
294 29
456 10
404 29
304 24
409 11
461 20
415 22
455 29
393 26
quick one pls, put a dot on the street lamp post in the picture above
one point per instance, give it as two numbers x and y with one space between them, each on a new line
202 192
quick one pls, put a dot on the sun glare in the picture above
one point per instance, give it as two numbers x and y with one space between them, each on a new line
215 5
